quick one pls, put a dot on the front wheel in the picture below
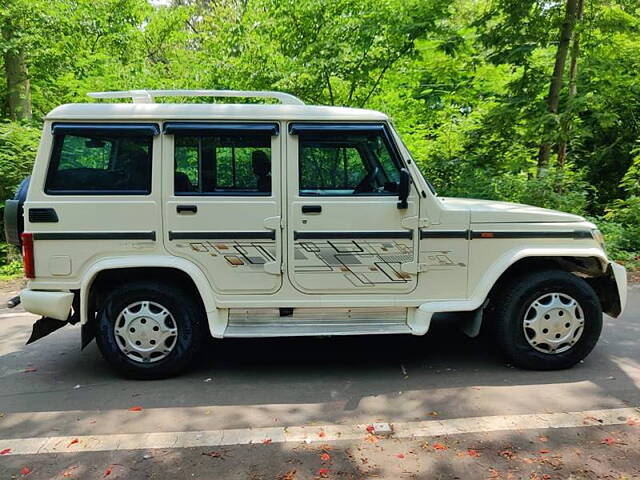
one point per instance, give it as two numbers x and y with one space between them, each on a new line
149 330
548 320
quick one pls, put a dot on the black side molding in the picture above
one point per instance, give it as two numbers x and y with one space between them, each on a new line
401 234
444 234
478 234
94 236
575 234
261 235
43 215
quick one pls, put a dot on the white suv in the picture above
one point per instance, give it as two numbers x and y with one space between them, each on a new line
157 225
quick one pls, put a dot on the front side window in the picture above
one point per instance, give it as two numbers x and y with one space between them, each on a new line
346 163
86 163
223 164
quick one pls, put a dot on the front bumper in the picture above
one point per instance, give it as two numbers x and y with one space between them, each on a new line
619 274
50 304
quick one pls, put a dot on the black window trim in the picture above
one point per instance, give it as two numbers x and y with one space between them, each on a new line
320 128
214 129
59 130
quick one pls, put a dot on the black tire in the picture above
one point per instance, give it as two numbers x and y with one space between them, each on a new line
511 305
188 315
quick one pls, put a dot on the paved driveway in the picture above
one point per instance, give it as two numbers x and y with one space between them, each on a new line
51 389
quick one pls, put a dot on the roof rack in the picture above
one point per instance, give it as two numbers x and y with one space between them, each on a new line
148 96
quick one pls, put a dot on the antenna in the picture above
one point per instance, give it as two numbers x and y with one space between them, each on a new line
148 96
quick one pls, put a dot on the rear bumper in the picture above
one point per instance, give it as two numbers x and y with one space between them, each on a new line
49 304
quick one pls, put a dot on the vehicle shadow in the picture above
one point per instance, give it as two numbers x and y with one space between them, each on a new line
341 379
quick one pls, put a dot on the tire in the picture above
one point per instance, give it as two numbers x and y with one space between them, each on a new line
181 331
528 300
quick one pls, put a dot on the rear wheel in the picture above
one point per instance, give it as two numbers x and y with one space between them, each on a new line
150 330
547 320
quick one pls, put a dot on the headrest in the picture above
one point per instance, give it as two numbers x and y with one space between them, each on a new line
261 163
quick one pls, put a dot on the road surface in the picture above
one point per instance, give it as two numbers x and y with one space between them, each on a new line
298 409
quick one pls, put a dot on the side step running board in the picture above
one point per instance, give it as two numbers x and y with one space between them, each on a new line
304 322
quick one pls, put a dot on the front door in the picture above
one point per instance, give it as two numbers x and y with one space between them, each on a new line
223 202
346 234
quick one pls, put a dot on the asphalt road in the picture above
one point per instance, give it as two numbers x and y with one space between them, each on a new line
52 389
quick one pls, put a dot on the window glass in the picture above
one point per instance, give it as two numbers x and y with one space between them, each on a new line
100 164
347 164
235 164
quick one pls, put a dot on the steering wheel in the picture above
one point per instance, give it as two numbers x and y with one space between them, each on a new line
365 183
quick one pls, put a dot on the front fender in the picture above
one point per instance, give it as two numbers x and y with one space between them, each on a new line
500 266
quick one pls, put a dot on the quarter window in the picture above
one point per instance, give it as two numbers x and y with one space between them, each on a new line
346 163
86 163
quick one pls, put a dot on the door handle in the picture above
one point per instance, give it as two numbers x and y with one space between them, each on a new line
311 209
186 208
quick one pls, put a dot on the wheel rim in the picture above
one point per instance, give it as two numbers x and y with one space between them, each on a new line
553 323
145 331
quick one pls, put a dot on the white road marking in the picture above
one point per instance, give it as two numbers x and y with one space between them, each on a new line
312 434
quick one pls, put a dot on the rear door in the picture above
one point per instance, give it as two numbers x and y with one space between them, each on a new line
346 234
223 202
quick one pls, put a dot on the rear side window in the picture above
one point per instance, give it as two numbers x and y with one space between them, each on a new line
104 162
222 159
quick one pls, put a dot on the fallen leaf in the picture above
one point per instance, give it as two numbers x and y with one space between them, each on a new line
214 454
473 453
609 441
631 422
5 451
325 457
266 441
434 413
543 438
507 453
591 419
288 476
439 446
136 408
400 455
370 429
29 370
323 472
546 476
107 472
544 450
322 434
73 442
25 470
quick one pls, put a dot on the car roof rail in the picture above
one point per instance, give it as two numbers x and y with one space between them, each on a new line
148 96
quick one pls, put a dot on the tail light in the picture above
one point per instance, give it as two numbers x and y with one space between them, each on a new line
28 261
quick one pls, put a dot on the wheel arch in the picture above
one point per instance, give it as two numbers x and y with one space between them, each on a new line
590 264
107 271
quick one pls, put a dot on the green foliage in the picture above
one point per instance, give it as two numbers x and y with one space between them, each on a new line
465 82
10 270
18 147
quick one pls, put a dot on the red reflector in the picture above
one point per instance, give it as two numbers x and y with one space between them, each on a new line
27 255
486 235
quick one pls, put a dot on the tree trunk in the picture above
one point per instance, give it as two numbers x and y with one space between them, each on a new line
573 87
555 86
18 86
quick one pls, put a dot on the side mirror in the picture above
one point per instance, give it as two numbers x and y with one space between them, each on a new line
403 188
